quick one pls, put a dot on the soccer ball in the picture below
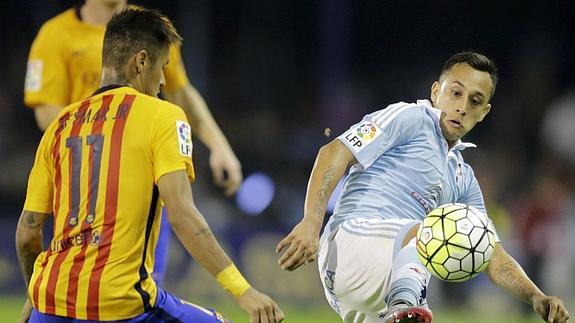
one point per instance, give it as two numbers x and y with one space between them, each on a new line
455 242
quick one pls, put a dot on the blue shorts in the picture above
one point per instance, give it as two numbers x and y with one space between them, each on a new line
168 309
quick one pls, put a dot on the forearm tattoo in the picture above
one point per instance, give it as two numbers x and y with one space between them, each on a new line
512 278
26 258
322 194
32 221
27 255
203 232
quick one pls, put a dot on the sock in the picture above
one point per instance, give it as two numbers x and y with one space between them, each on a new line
409 278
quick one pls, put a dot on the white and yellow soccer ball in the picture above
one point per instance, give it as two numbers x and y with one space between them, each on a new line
455 242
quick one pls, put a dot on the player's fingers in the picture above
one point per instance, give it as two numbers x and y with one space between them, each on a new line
297 259
288 254
275 314
283 243
254 316
232 184
552 311
218 175
280 316
269 311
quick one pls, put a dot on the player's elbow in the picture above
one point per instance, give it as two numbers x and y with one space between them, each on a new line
336 152
179 215
499 257
26 238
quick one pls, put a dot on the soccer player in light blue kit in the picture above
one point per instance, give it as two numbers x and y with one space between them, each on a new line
405 160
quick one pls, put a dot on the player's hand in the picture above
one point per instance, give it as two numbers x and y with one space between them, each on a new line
302 244
226 169
260 307
550 308
26 311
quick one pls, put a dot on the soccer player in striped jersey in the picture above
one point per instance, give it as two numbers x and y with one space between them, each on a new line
103 170
405 161
64 66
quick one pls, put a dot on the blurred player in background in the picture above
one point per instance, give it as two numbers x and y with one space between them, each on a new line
100 171
406 160
64 66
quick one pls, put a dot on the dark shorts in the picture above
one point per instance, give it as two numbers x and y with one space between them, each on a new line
168 309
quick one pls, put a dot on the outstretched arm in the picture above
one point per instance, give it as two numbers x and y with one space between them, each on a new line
303 241
506 273
193 231
226 168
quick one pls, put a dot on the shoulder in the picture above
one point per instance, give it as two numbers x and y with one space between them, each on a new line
159 108
59 23
401 112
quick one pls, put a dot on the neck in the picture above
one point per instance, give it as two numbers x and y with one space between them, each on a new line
98 12
110 77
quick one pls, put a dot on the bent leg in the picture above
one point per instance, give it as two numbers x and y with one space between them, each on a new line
409 278
355 266
172 309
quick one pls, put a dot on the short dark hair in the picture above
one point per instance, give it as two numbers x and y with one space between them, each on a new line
477 61
135 29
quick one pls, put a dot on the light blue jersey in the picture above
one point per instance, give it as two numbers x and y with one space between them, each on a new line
405 168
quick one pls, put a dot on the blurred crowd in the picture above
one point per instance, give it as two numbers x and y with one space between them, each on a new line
276 74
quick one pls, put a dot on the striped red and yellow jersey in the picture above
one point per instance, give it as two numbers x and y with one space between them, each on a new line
96 171
65 62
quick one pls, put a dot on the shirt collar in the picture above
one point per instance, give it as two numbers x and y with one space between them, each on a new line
436 114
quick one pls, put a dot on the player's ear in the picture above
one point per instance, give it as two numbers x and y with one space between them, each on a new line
485 112
140 60
435 91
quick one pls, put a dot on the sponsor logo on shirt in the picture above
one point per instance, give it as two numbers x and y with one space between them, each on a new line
184 138
362 135
90 237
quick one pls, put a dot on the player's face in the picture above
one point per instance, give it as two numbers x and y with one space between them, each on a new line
153 74
462 94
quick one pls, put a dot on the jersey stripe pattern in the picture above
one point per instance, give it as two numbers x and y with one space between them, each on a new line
96 171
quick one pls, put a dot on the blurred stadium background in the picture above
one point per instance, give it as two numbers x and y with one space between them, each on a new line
277 73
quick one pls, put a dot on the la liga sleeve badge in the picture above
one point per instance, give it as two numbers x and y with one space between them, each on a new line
184 138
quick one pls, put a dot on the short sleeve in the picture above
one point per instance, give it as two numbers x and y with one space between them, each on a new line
172 143
40 191
46 73
175 74
382 130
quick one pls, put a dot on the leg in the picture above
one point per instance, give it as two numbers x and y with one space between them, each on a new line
409 278
161 252
407 291
355 266
172 309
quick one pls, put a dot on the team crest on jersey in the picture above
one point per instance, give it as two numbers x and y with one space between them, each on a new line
184 138
362 135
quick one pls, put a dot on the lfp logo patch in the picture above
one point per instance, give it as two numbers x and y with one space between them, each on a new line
367 131
184 138
362 135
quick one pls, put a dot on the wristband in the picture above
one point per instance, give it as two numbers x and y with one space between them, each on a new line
232 280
